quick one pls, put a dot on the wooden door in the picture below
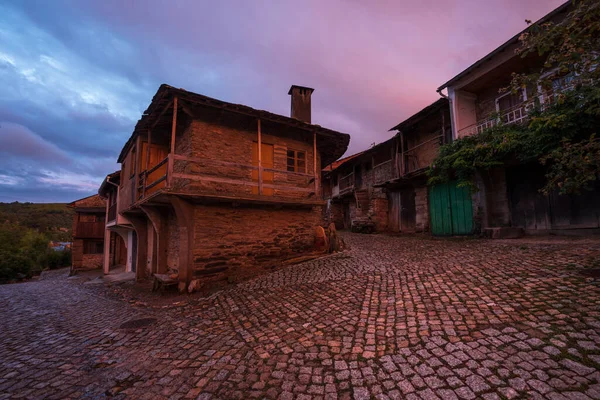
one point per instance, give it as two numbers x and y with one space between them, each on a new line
394 211
408 211
450 210
157 154
267 155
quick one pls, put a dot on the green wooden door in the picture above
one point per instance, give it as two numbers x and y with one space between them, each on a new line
450 210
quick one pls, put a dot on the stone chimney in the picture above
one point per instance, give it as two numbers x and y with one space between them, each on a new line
301 102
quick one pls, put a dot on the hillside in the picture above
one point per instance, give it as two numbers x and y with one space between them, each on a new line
53 219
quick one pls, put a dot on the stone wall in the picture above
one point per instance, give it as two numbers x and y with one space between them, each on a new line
82 261
422 209
77 253
236 242
92 261
173 245
378 212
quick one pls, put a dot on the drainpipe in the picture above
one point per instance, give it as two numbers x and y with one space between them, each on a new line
439 91
112 183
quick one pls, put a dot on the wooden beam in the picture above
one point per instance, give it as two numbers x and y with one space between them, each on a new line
230 181
161 114
238 165
260 170
147 162
401 154
174 126
315 164
173 135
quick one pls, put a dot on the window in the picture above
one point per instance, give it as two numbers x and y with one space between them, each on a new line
296 161
93 247
335 180
509 100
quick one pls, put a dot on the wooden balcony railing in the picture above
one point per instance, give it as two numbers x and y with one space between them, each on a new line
516 114
89 230
422 155
347 183
204 176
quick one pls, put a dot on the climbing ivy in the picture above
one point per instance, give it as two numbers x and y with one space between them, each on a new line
562 137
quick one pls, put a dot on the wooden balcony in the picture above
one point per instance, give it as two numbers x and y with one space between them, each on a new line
517 114
89 230
347 184
420 157
221 179
383 172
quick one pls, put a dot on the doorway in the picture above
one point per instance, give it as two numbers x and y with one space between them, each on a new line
451 210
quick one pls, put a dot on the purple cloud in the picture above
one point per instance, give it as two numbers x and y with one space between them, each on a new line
78 74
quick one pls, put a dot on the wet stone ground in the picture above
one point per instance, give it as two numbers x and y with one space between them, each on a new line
393 317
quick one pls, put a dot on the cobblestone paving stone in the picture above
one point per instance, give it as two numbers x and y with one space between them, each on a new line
392 318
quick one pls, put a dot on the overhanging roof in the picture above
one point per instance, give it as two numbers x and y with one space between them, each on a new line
335 142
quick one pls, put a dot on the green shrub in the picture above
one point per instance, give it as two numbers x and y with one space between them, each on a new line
14 266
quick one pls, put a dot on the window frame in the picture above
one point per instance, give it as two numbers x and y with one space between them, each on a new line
295 166
93 247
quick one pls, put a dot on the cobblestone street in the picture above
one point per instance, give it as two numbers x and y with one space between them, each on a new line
394 317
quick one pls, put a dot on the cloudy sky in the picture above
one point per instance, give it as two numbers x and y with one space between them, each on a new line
76 75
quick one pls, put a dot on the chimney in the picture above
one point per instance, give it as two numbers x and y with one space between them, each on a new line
301 102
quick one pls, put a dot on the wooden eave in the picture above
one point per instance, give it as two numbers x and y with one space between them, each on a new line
332 144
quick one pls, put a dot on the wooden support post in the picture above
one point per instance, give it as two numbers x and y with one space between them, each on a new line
396 165
315 165
402 171
260 168
136 175
174 126
172 153
147 163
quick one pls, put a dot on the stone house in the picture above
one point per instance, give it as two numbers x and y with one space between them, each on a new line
384 188
88 232
508 200
119 236
212 190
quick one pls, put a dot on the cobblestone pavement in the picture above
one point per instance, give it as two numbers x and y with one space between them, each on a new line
393 317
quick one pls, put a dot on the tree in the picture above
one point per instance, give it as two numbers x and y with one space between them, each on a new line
561 135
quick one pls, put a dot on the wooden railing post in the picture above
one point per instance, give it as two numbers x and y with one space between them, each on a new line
173 135
260 168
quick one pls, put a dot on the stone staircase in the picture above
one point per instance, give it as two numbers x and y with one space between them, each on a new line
361 222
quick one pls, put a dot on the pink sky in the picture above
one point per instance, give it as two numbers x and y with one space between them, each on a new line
78 74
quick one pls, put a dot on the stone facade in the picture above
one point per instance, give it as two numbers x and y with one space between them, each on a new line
88 232
233 242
